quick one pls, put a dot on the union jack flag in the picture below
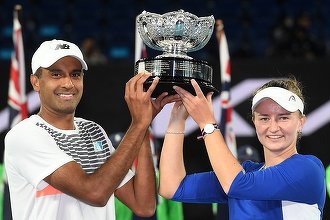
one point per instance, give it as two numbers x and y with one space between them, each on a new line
16 94
221 210
226 108
140 47
17 103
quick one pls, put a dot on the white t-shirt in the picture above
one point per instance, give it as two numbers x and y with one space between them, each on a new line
34 149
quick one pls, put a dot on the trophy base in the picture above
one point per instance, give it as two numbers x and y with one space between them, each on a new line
176 71
166 85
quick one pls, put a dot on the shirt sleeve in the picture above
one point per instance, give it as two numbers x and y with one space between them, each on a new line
200 188
32 154
299 178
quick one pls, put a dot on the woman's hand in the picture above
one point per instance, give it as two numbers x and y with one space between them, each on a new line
179 112
199 107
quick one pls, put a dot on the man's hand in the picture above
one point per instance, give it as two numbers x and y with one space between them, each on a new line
138 100
162 100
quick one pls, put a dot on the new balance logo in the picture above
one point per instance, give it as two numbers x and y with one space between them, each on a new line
62 46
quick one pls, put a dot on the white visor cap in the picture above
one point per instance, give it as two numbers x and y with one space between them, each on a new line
288 100
51 51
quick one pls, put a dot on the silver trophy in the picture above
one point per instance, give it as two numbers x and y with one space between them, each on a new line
175 33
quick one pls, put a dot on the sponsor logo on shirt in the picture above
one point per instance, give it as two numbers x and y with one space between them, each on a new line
98 146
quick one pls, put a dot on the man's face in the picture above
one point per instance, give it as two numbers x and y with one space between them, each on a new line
60 86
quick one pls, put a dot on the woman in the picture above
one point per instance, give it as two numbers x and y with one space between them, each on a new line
287 185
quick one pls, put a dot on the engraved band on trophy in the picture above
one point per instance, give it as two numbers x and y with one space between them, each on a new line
175 33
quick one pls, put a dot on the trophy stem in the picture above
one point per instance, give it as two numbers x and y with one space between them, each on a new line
175 50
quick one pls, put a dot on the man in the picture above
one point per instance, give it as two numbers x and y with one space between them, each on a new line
63 167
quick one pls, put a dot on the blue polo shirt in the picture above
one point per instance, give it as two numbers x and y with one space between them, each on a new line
293 189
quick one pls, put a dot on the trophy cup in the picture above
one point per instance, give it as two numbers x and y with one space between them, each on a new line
175 33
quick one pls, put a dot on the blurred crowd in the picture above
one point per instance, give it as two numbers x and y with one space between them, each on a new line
106 29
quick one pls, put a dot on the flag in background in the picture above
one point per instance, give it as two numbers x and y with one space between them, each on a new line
140 47
16 93
221 210
226 108
17 103
141 52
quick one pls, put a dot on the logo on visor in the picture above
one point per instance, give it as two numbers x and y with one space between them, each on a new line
292 98
62 46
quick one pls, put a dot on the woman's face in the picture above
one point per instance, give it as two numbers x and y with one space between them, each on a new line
277 129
